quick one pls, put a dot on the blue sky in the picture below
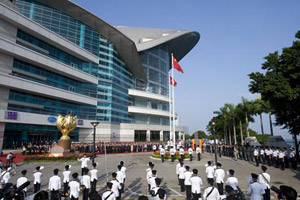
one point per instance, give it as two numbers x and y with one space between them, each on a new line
235 36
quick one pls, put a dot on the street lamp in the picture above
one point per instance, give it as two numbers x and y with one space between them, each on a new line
94 124
215 144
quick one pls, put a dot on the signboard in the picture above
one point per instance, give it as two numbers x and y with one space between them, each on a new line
11 115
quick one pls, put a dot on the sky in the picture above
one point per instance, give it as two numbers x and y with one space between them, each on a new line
235 36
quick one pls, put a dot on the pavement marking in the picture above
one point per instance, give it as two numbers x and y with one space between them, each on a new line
129 190
178 194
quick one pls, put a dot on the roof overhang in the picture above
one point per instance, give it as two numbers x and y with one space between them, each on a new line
125 46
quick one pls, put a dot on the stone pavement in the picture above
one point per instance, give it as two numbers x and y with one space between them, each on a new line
136 173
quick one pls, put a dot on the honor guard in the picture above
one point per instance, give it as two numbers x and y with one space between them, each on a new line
109 194
120 177
262 155
187 182
66 178
286 158
255 189
181 171
264 179
219 174
84 163
7 174
196 182
172 153
162 154
190 151
37 176
86 184
149 174
256 156
94 176
123 169
23 179
209 171
211 193
198 152
152 179
178 165
181 153
116 187
55 185
74 186
232 181
157 192
293 159
281 159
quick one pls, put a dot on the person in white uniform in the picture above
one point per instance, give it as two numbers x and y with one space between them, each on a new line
219 174
190 151
6 175
74 186
162 154
152 179
211 193
196 182
123 169
172 153
55 185
23 179
181 171
181 153
177 168
149 174
116 185
209 171
232 180
255 189
264 178
84 163
94 177
198 152
86 183
66 178
109 194
187 182
120 177
37 179
157 192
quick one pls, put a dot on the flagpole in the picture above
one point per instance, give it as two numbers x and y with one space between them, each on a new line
170 110
173 102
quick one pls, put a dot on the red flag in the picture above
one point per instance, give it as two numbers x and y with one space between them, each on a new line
173 82
176 65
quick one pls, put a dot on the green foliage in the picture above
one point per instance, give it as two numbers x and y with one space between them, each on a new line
201 134
168 156
259 137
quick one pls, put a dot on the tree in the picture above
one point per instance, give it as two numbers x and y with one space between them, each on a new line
201 134
280 85
232 116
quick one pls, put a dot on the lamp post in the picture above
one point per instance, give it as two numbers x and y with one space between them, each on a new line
94 124
215 144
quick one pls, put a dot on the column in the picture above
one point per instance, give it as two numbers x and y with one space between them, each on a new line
148 135
161 135
2 128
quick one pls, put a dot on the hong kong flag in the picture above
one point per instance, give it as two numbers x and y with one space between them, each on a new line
173 82
176 65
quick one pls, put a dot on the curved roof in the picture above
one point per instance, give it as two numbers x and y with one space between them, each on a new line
125 46
180 42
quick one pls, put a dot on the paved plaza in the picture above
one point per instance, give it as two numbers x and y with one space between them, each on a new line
136 164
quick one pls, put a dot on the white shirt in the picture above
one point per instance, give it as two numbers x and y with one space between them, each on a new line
209 172
162 152
256 190
262 179
275 154
94 175
233 182
196 182
281 154
262 152
181 172
123 169
154 147
198 150
152 182
177 168
214 194
21 181
172 152
54 183
74 189
66 175
219 174
120 176
255 152
84 162
190 150
86 181
6 176
181 151
115 187
187 177
111 194
149 174
156 197
292 154
37 177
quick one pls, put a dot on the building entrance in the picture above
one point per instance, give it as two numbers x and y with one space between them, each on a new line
140 136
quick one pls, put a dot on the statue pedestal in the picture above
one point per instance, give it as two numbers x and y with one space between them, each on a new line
66 144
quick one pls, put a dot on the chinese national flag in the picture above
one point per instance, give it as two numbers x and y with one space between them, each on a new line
176 65
173 82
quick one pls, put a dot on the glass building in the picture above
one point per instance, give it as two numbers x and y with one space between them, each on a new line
58 58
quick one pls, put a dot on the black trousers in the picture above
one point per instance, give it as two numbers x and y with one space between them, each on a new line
82 170
281 161
196 196
199 156
66 187
188 191
93 185
55 195
37 187
286 162
181 182
191 157
220 188
257 161
294 163
72 198
182 157
162 158
173 158
85 194
267 194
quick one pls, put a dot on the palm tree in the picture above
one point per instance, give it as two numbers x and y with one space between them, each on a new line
267 106
223 113
259 108
248 110
232 115
240 116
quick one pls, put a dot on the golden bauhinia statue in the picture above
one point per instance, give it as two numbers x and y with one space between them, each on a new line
66 124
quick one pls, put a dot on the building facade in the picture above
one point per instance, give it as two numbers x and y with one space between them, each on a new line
58 58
